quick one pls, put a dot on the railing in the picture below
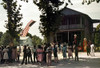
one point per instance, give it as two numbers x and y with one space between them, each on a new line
74 26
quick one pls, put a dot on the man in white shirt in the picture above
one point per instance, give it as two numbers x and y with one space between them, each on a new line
92 50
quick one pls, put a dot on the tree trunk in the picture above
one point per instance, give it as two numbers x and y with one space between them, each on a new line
12 42
48 39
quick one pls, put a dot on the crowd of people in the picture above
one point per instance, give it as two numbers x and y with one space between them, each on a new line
42 53
9 54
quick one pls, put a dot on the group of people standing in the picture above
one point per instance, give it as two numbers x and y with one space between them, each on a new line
9 54
41 53
88 47
44 53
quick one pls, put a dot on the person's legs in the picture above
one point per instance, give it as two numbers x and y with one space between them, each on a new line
65 55
47 60
87 51
28 59
72 56
93 53
57 59
34 56
77 57
45 56
23 60
54 59
18 58
5 61
31 59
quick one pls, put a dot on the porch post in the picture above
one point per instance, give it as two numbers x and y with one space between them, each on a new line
56 37
68 36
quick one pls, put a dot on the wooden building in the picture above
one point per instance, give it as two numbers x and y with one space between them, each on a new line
74 22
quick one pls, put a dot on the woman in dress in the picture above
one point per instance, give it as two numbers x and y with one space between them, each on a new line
39 54
55 53
64 49
70 51
85 45
14 53
5 56
48 54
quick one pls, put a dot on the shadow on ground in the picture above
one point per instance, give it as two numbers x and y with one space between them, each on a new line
69 63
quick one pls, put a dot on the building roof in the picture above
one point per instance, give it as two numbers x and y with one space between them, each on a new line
96 21
68 11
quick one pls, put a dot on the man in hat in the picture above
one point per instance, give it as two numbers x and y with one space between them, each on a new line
76 47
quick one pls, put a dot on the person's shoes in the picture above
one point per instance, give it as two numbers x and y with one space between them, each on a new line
32 62
40 63
21 63
75 59
25 63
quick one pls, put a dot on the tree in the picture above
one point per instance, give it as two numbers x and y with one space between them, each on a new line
1 34
5 39
36 40
49 17
97 36
50 13
13 23
29 35
90 1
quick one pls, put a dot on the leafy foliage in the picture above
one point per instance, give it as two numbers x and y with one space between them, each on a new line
36 40
6 39
29 35
90 1
13 13
49 17
1 34
50 12
97 36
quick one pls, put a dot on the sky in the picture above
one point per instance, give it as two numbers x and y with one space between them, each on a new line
31 12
